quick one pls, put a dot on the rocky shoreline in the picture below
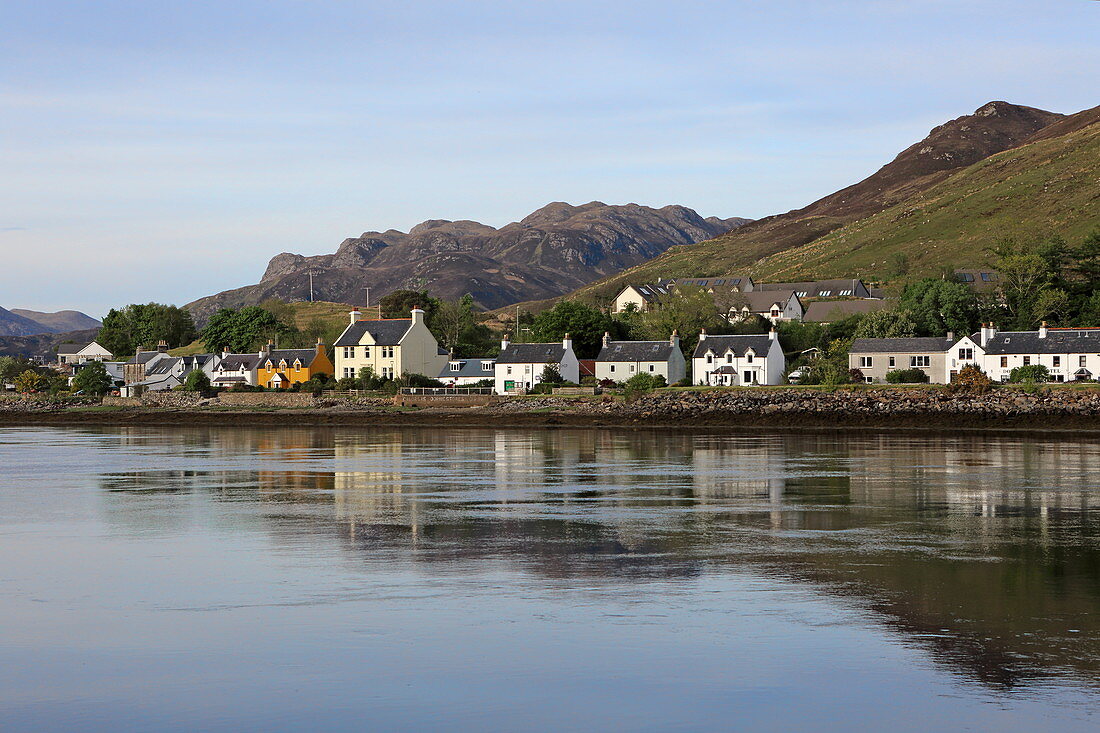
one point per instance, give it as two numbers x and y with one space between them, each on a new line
1047 409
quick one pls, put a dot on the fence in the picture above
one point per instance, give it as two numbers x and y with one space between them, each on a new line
446 391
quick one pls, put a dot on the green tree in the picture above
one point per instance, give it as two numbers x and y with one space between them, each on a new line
457 325
938 306
586 326
1029 373
688 310
400 303
12 366
551 375
197 381
887 324
29 381
127 329
242 331
92 378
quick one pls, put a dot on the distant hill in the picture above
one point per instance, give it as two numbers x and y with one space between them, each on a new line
61 321
1004 170
12 324
549 252
43 344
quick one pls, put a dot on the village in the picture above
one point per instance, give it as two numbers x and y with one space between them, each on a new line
390 350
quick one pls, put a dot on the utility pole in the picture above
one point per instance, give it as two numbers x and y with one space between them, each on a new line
517 324
311 286
367 291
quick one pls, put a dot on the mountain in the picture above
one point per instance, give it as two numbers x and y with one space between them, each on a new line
821 239
43 344
547 253
60 321
13 324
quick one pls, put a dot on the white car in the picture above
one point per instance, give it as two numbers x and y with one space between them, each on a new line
796 375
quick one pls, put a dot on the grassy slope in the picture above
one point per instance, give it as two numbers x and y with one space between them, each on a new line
302 315
1046 187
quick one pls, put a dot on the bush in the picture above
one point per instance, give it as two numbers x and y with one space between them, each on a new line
643 382
856 375
1029 374
347 384
542 388
971 379
29 381
907 376
93 379
416 380
589 382
197 381
551 375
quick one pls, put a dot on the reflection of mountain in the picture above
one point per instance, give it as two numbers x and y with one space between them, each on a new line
983 551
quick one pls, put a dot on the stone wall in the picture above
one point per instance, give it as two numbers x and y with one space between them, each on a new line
444 400
267 399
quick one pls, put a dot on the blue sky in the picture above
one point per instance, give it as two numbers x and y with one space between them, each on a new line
156 151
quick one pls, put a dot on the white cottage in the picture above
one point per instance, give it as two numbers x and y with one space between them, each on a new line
620 360
1069 354
741 360
520 366
82 353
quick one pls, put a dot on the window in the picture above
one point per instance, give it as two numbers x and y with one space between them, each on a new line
349 372
509 370
988 277
349 352
893 361
801 293
650 367
710 358
1057 361
866 362
1081 360
268 365
1027 360
282 363
366 352
631 368
966 354
748 358
845 293
456 366
297 365
729 357
920 361
612 370
868 380
826 293
748 378
486 366
1004 362
775 313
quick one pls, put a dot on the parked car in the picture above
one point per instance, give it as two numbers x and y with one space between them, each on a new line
796 375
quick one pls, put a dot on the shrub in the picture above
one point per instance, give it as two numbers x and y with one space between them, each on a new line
643 382
856 375
589 381
551 375
907 376
197 381
416 380
1029 374
347 383
93 379
542 388
29 381
971 379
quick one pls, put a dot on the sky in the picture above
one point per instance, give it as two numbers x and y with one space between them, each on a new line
164 151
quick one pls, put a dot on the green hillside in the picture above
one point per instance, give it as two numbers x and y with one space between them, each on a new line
1045 188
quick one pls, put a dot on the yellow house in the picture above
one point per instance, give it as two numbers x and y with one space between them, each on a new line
281 368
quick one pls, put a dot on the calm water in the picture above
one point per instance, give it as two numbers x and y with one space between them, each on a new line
536 580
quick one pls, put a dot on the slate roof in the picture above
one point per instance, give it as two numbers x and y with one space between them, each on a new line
532 354
289 355
73 348
471 369
144 357
819 288
636 351
759 343
914 345
234 362
164 366
732 281
823 311
760 301
386 332
980 280
650 292
1058 341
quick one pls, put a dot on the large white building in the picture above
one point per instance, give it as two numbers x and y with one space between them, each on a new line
389 347
620 360
520 366
740 360
1069 354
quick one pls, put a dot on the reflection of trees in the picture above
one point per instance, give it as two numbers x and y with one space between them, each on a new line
981 550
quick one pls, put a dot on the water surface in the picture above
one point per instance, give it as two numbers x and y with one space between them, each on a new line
420 579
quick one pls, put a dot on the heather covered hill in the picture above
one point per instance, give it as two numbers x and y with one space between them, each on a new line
549 252
60 321
1035 183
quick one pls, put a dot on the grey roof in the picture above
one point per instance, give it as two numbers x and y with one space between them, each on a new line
73 348
636 351
532 354
728 281
979 279
759 343
230 378
759 301
289 355
234 362
1057 341
164 366
650 292
470 368
823 311
386 332
144 357
913 345
818 288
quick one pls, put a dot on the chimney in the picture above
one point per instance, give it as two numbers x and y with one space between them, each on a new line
771 334
267 349
225 352
951 336
567 342
162 347
674 339
985 335
702 334
1043 330
417 315
504 343
606 339
320 346
355 315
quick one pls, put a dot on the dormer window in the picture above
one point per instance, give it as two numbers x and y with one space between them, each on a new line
826 293
748 357
456 366
801 294
486 366
282 364
269 364
729 357
297 365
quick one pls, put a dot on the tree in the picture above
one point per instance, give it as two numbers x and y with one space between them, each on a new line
551 375
92 378
938 306
400 303
585 325
243 330
688 310
29 381
12 366
127 329
1029 373
886 324
456 325
197 381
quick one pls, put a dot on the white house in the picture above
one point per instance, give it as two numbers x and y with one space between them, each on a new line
171 372
1069 354
389 347
775 305
236 369
520 366
468 372
620 360
80 353
642 297
738 360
